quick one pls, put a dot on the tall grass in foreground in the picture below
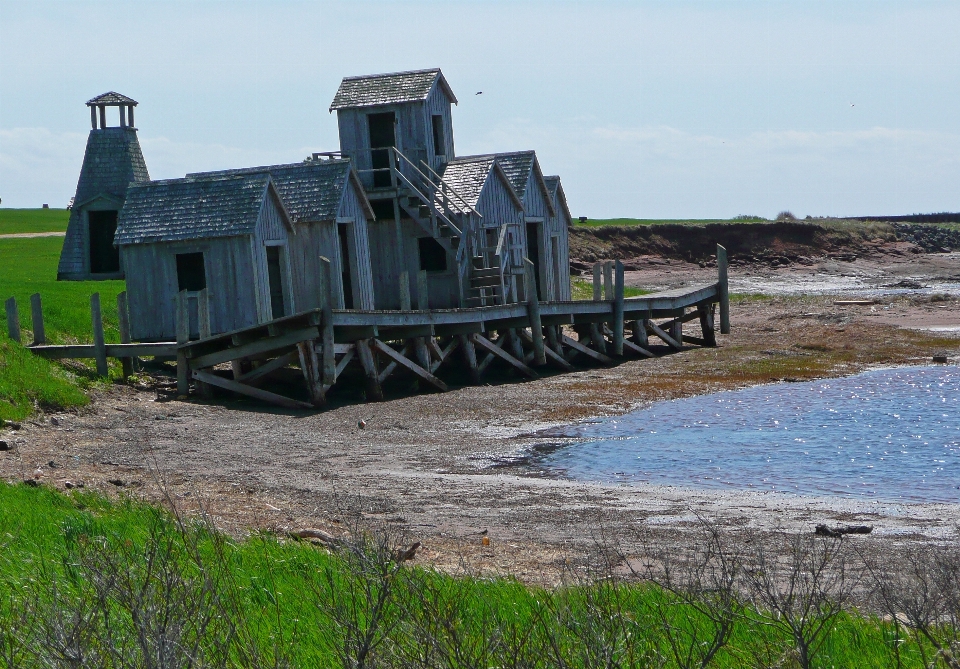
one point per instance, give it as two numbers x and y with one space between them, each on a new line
89 583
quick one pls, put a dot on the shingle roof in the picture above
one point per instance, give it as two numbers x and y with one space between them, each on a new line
385 89
468 175
310 191
556 193
112 161
191 208
516 165
112 98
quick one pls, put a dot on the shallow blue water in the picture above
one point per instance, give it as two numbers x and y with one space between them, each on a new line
891 434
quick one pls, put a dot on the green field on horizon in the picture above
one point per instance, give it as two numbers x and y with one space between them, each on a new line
15 221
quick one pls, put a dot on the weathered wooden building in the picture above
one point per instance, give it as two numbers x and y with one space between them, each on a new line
248 242
112 161
558 228
439 213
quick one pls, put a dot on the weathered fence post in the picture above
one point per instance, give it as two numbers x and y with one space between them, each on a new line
608 280
329 359
99 344
723 290
405 304
123 317
13 319
617 325
423 296
533 312
597 286
36 312
203 313
183 336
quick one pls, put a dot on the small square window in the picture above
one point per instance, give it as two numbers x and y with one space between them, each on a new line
433 257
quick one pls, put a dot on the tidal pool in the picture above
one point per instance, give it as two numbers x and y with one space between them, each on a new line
888 434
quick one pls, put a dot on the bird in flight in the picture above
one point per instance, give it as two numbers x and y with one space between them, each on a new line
479 93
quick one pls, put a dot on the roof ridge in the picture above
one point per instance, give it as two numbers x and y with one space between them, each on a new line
390 74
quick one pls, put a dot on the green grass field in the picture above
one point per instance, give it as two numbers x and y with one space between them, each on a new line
629 222
33 220
28 266
109 581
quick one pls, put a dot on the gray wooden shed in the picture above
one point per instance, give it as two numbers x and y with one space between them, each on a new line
558 227
112 161
331 215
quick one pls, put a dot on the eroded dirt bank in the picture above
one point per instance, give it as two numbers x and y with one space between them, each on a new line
448 467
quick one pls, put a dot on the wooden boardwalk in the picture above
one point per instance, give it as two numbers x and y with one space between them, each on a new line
323 343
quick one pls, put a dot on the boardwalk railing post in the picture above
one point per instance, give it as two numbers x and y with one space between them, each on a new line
13 319
405 304
533 312
183 336
36 311
99 344
617 325
597 286
423 295
123 317
723 290
608 280
328 355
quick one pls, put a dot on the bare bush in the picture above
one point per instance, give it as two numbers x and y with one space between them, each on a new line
922 593
798 585
786 216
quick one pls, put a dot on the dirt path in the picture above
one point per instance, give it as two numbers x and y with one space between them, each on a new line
24 235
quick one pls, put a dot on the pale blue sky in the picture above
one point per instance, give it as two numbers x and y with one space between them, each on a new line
645 109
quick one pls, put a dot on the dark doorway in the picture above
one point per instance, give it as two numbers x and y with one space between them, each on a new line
439 144
104 256
383 210
275 274
381 136
191 274
345 266
433 257
533 253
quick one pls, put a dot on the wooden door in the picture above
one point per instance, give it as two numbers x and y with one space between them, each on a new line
275 276
382 136
104 256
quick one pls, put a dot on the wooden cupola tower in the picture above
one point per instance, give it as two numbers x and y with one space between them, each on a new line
112 161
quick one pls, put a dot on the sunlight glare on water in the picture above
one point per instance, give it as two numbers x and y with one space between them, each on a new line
890 434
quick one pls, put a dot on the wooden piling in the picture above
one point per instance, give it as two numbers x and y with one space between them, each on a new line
374 391
617 326
640 331
183 336
676 329
705 312
36 313
597 285
423 295
13 319
405 304
123 317
99 343
310 366
608 280
470 355
596 339
722 289
533 313
327 352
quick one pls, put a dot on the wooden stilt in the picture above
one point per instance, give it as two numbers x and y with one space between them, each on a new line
328 373
13 319
705 311
374 391
490 347
444 355
36 311
670 341
243 389
470 356
630 346
310 366
183 336
676 329
422 352
124 319
515 344
596 339
549 353
260 373
533 312
403 361
640 332
99 344
589 352
722 288
617 326
597 285
553 339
